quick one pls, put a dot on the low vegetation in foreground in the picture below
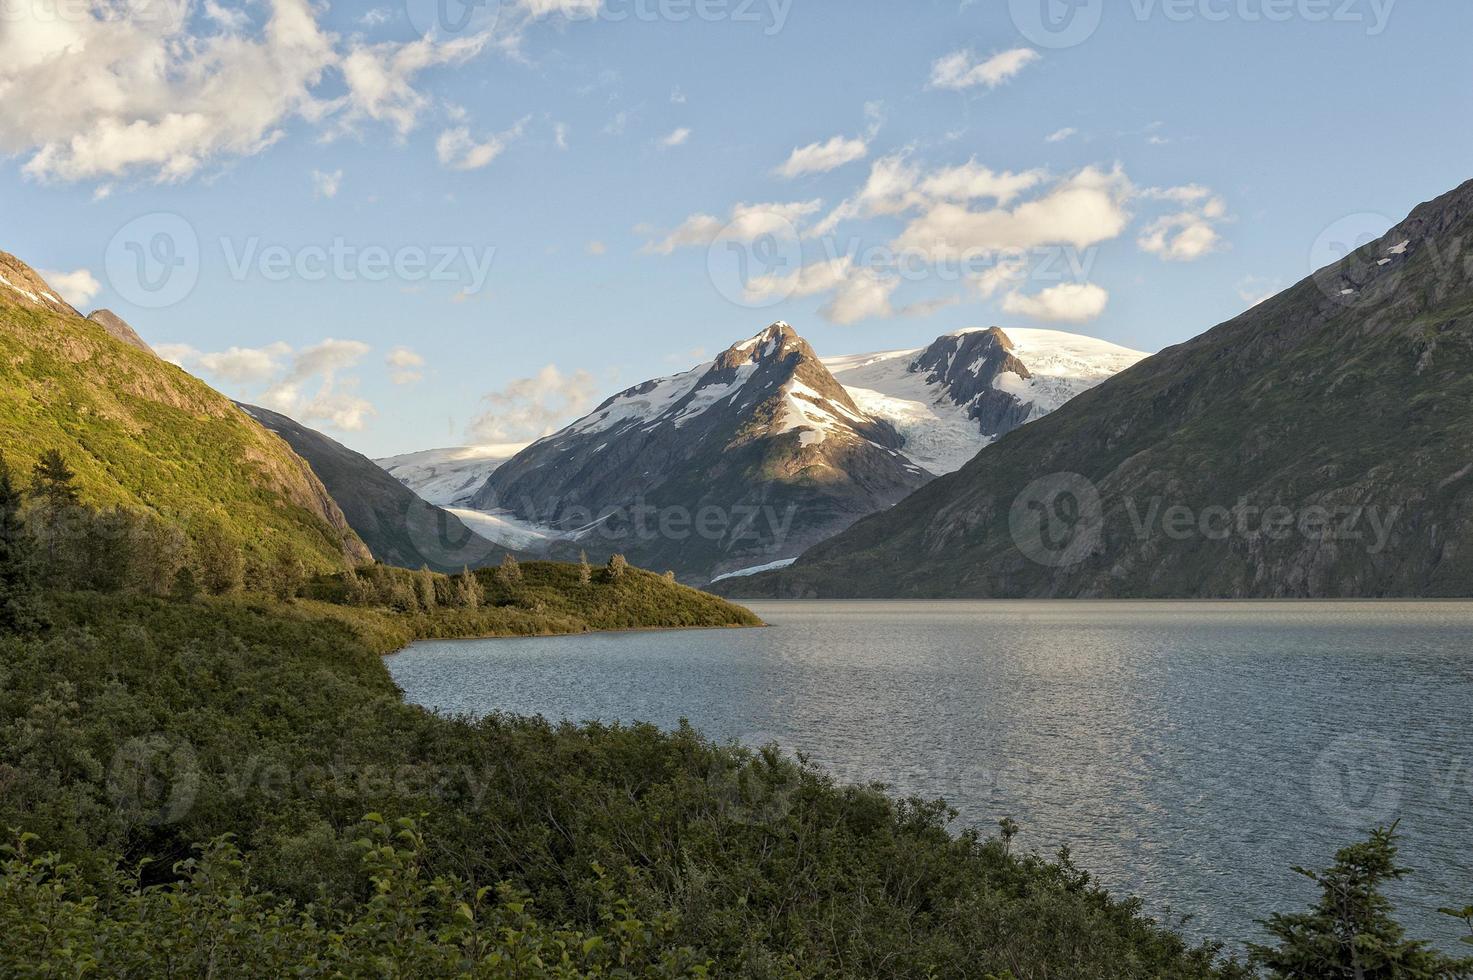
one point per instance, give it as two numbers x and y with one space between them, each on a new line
231 785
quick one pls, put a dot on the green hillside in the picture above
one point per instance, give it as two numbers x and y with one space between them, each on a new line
142 434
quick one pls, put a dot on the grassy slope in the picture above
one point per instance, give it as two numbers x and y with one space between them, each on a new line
142 433
284 728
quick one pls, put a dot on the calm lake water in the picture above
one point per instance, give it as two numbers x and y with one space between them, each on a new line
1189 753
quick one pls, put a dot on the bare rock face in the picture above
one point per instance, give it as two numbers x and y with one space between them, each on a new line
118 328
1318 445
968 365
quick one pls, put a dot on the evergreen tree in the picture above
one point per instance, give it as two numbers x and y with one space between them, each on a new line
19 612
54 481
670 576
1350 932
471 594
618 565
510 573
186 588
425 583
585 571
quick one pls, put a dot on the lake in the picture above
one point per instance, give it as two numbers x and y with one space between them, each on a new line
1188 753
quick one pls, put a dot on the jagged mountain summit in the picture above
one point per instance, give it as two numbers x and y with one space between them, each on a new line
768 449
968 389
1318 445
750 457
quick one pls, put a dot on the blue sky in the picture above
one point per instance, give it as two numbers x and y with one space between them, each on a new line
1203 154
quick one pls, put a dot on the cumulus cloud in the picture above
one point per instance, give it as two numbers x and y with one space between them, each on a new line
819 277
677 138
530 408
745 223
308 384
1189 234
326 184
1082 210
405 366
456 149
77 287
1065 303
819 158
98 95
961 70
896 185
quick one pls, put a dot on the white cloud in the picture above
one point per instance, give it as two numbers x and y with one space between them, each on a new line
819 277
530 408
596 248
1189 234
77 287
1059 136
818 158
1082 210
560 135
404 366
897 185
677 138
457 150
308 385
326 184
677 96
98 95
1068 302
960 70
745 223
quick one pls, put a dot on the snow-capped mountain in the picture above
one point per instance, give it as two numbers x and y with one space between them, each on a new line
777 448
449 477
748 458
968 389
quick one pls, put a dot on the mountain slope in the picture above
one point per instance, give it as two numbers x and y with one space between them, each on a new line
398 527
142 433
753 456
1345 401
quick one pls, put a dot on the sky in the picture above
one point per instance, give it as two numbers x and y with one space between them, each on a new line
422 224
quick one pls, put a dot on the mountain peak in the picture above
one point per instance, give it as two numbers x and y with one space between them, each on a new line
118 328
20 285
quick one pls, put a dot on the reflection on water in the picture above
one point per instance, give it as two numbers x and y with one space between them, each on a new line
1187 752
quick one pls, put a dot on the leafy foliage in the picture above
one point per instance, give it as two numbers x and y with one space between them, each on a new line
138 727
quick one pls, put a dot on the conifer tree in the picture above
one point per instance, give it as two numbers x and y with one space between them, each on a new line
1350 931
19 611
618 565
471 594
510 573
585 571
53 481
